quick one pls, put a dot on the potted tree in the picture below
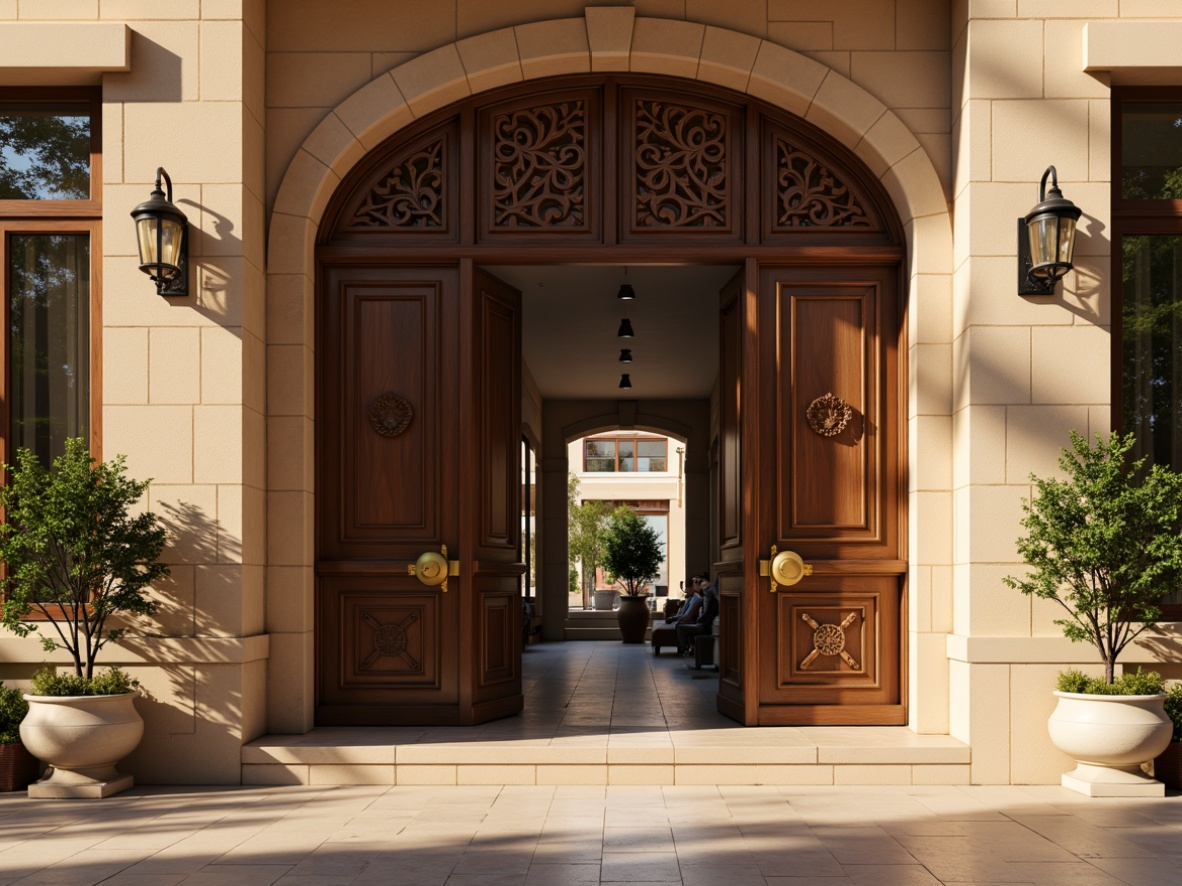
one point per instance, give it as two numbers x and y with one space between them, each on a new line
77 558
632 553
586 523
17 766
1105 544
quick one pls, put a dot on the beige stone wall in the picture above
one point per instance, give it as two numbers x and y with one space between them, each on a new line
897 50
183 378
1024 370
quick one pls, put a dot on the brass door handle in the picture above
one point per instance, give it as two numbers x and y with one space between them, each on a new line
785 568
433 569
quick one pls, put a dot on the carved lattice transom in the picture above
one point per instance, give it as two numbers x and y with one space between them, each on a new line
809 195
681 166
540 167
410 195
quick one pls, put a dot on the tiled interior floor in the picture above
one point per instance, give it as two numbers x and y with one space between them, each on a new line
566 836
608 712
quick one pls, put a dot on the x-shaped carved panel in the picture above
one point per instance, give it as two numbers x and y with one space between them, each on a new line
829 639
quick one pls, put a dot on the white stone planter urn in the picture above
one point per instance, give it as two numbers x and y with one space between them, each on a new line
81 737
1110 736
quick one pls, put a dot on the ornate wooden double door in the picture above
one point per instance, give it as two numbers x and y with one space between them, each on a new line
418 608
418 389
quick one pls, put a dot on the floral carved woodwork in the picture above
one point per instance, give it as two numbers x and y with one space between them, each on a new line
809 195
410 195
681 166
609 159
539 167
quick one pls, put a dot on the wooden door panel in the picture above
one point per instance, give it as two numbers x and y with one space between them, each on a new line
498 418
385 414
836 642
387 446
830 337
830 647
492 472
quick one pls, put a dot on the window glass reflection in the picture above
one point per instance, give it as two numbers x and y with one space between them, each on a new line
45 151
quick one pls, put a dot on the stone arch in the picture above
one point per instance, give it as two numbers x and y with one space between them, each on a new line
605 39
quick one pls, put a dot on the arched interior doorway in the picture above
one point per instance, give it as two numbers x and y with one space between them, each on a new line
419 390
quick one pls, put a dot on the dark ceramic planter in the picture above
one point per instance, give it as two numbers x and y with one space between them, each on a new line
632 617
18 768
1167 766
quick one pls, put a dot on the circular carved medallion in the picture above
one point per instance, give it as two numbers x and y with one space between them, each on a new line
828 415
391 639
390 415
829 639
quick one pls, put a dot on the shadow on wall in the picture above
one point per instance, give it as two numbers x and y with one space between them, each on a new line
192 701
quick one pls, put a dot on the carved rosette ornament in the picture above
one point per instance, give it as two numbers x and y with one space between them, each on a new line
681 166
539 158
809 195
829 640
409 196
828 415
390 415
389 641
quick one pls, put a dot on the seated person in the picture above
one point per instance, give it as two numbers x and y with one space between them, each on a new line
664 632
704 623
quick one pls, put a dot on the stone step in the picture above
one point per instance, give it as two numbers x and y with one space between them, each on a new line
753 756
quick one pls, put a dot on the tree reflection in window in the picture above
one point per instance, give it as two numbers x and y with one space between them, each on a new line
49 353
45 151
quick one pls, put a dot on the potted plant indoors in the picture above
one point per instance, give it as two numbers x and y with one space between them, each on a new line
77 557
1105 544
632 553
1167 766
17 766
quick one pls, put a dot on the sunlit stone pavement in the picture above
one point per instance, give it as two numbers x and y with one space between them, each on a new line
555 836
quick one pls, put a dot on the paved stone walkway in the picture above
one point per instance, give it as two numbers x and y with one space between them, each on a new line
567 836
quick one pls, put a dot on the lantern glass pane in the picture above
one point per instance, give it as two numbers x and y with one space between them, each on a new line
1066 239
170 244
1044 247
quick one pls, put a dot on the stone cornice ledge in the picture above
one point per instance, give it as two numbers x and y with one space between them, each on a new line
1133 52
62 53
148 651
1160 645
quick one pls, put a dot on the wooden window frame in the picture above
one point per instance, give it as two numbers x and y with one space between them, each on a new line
615 441
1133 218
63 217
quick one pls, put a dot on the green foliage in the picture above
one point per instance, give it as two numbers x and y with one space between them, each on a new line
1138 683
586 530
1104 544
1174 709
75 553
572 583
632 550
13 708
113 681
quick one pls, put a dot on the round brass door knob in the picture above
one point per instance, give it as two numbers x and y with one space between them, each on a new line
788 568
431 569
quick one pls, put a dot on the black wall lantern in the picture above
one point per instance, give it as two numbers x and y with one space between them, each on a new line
163 235
1046 239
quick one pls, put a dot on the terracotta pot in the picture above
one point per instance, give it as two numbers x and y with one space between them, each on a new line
1167 766
81 738
1110 736
632 617
18 768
